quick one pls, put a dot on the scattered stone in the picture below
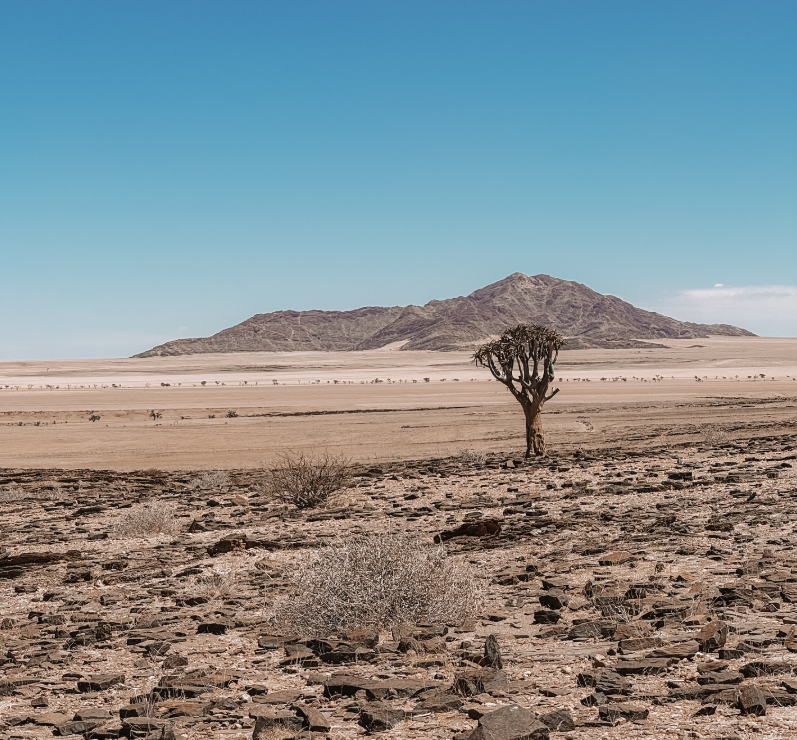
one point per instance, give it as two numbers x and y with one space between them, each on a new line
376 718
100 682
559 720
752 700
480 528
510 723
492 653
630 712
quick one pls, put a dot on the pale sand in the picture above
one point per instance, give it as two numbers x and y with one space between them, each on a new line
457 408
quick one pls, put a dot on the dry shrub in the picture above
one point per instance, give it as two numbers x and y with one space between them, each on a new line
213 480
713 435
11 493
149 518
472 457
306 481
215 585
378 580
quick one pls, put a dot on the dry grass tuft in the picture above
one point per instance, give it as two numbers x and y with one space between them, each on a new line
215 585
472 457
379 580
713 435
150 518
306 481
213 480
11 493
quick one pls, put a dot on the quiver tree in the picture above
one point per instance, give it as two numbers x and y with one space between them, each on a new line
523 359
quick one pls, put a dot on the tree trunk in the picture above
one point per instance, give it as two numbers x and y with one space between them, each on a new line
535 437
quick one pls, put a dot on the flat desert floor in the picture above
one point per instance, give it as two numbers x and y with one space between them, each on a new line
243 410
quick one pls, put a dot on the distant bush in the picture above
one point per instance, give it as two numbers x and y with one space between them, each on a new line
378 580
472 457
232 414
306 481
713 435
213 480
150 518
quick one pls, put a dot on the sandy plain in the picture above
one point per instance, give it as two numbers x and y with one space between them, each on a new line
243 410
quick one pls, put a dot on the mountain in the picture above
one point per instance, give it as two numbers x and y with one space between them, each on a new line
586 318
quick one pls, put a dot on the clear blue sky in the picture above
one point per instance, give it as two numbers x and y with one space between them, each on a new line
171 168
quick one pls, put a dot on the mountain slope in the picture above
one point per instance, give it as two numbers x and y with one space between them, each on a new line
587 318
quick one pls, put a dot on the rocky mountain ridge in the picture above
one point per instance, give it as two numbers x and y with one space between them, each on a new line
585 317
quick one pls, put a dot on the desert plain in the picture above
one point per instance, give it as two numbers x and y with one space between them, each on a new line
642 583
332 401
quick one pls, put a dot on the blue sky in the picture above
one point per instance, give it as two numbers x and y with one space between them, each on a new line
171 168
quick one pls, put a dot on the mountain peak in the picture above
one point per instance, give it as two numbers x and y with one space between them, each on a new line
586 318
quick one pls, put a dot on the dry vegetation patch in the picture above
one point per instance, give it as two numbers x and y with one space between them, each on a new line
379 580
306 481
149 518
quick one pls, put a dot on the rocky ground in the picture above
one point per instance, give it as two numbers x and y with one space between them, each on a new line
631 594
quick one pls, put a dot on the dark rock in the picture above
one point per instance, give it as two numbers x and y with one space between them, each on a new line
679 651
546 616
100 682
75 728
275 698
559 720
484 681
395 688
617 557
554 599
492 653
314 720
480 528
761 668
752 700
588 629
92 714
212 628
345 685
378 718
719 677
595 700
268 721
712 636
605 681
147 727
437 701
510 723
631 712
646 667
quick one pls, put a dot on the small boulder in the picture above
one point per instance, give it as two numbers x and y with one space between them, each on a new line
510 723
